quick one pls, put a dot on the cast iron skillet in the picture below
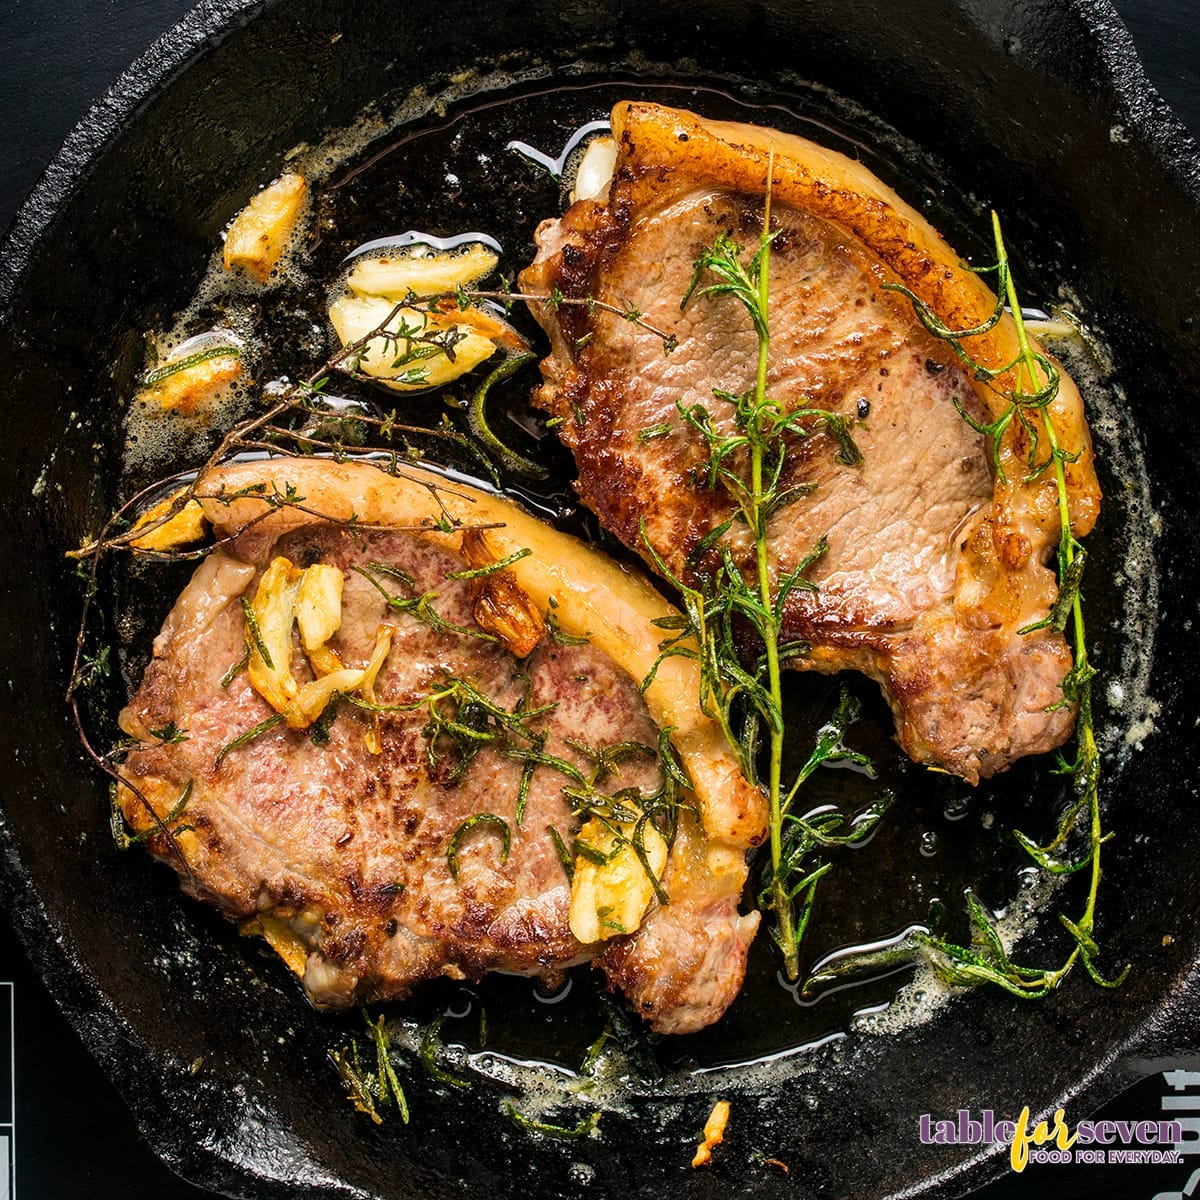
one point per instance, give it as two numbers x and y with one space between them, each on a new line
1040 109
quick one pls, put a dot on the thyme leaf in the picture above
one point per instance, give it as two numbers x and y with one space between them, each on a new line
92 667
169 734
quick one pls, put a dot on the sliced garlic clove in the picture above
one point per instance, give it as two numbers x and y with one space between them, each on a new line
259 234
406 363
405 272
595 170
610 898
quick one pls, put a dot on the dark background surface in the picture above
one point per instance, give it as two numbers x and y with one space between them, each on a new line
71 1134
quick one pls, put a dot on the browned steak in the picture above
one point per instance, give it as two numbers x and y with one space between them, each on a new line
342 857
933 565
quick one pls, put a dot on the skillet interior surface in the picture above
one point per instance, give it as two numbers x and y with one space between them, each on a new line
1038 111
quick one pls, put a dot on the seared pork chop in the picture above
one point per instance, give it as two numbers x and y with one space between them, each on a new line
407 832
933 565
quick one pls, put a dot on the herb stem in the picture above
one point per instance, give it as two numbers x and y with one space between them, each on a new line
780 900
1087 760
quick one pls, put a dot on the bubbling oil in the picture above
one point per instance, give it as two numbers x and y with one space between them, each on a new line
446 162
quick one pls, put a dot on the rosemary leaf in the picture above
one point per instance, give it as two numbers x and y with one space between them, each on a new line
237 668
244 739
470 823
586 1127
429 1056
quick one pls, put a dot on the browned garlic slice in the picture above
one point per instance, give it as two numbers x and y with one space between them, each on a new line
198 372
269 621
501 607
311 598
165 532
259 234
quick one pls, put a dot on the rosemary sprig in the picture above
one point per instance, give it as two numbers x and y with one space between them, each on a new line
369 1091
465 719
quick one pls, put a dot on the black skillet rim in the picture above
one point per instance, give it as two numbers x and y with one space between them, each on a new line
1150 120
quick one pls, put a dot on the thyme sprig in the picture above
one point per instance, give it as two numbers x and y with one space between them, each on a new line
408 345
1026 385
825 828
421 607
747 463
985 959
557 299
1035 376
